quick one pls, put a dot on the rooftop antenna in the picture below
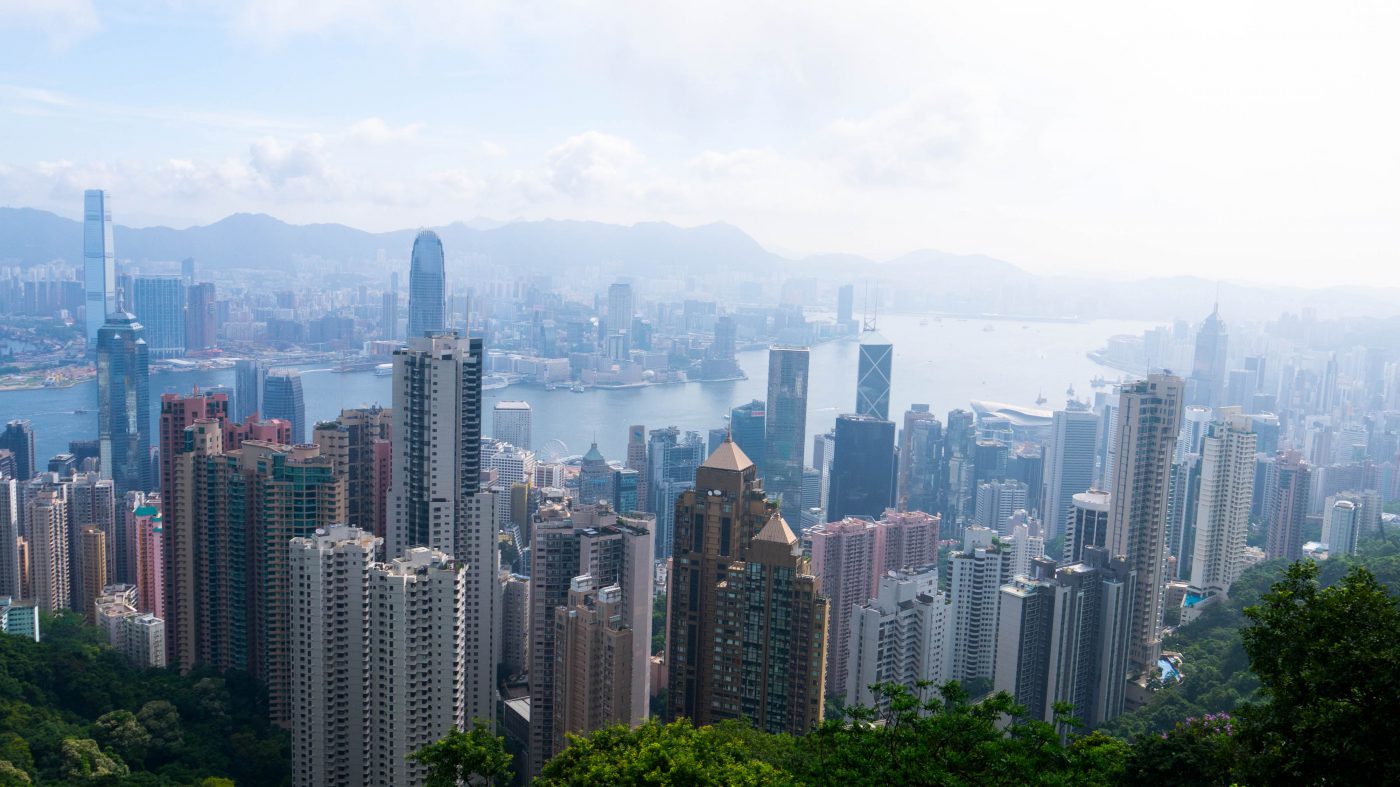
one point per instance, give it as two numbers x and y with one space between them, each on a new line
872 314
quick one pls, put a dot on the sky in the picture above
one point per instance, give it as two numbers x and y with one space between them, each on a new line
1241 140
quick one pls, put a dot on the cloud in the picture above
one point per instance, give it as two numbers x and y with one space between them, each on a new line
375 131
299 165
591 162
65 22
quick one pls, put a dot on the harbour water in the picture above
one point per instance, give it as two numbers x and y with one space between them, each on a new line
945 363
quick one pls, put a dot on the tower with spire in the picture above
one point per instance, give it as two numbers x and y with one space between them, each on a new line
747 621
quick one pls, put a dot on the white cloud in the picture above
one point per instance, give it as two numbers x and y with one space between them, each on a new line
65 22
375 131
591 162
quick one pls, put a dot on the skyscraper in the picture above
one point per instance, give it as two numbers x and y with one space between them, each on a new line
159 303
1208 368
863 468
124 405
92 542
977 571
1149 418
785 434
922 482
741 598
621 309
1287 485
99 263
282 398
594 478
46 519
1070 469
1087 524
249 377
360 443
427 286
873 375
900 635
747 423
672 461
201 319
845 306
435 496
511 423
10 513
18 438
1340 528
997 501
1222 514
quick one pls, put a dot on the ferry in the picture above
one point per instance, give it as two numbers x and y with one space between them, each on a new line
383 370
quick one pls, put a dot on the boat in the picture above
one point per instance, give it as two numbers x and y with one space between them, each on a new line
576 388
383 370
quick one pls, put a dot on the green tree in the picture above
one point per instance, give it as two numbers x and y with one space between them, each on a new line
476 756
679 753
12 776
84 761
162 720
120 731
1328 662
1202 750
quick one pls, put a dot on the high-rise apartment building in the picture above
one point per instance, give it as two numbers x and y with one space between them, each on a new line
360 442
92 542
201 316
747 621
1087 524
1226 495
637 460
99 263
785 435
282 398
899 635
159 303
1149 418
997 501
593 647
1341 526
1070 466
249 377
124 404
977 572
873 374
515 625
863 468
511 424
146 529
427 287
10 513
1288 485
46 520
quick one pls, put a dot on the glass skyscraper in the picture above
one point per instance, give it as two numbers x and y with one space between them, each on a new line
746 424
786 427
248 378
159 303
282 399
124 405
863 470
427 286
99 263
873 376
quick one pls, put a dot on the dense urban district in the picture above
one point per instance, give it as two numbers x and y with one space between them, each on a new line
1183 576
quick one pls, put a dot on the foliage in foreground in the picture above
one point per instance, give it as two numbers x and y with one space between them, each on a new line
72 712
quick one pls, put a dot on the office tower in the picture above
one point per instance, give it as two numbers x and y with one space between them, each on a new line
1222 513
379 657
612 550
594 477
747 424
848 556
989 460
145 526
46 531
873 375
1288 483
93 545
1062 636
201 316
515 625
99 262
721 635
977 572
1070 466
863 469
671 471
845 307
637 460
63 465
1149 418
899 635
1108 444
621 308
427 287
1340 527
1208 368
159 303
187 270
823 453
997 501
123 397
389 316
18 620
18 438
959 448
249 377
715 437
360 441
511 424
282 398
1087 524
593 656
921 478
1183 503
624 490
785 435
9 538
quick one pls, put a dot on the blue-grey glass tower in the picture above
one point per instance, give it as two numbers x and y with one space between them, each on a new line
785 433
159 303
249 376
282 399
746 426
99 263
18 437
873 376
124 404
427 286
863 469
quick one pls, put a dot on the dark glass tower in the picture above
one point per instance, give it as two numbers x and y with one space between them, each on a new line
873 376
282 399
427 286
785 433
746 424
1208 370
18 437
248 378
124 404
863 470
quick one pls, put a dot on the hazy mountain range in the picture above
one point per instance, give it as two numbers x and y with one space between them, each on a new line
946 281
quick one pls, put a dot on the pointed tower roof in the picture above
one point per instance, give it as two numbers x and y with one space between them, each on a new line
776 531
594 455
728 456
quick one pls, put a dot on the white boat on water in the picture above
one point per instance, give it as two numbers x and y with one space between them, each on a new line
383 370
